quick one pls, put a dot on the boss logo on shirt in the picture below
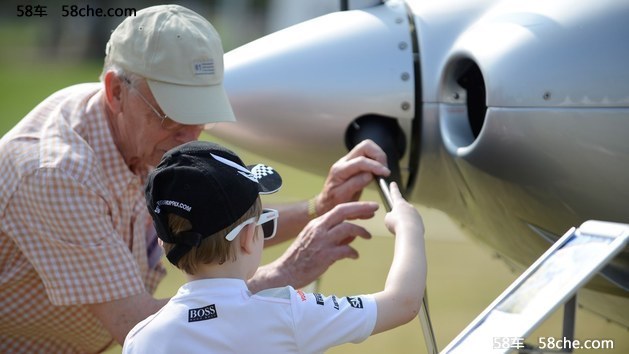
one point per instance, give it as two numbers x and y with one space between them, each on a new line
355 302
202 313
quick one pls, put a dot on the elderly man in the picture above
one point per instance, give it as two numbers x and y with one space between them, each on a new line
78 254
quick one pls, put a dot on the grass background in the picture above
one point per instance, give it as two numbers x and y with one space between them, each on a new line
463 277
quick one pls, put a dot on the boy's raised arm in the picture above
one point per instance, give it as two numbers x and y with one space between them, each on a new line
401 299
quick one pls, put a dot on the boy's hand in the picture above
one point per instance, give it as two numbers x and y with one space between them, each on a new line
402 214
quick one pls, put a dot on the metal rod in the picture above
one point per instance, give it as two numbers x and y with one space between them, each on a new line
344 5
569 316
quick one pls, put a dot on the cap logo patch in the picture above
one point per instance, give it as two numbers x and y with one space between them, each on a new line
261 170
172 203
204 67
243 171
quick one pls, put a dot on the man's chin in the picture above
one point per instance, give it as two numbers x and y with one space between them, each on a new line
139 167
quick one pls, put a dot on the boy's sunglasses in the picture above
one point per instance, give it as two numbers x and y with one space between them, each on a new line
268 221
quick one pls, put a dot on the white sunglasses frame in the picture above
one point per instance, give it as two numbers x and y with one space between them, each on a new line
266 216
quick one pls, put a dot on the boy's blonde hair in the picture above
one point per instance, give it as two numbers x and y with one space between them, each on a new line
214 248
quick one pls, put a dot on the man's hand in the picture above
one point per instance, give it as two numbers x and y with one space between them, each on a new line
351 174
325 239
322 242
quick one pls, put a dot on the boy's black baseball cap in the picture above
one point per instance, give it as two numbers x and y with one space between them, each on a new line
207 184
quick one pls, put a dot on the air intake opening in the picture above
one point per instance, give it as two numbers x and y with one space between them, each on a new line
470 78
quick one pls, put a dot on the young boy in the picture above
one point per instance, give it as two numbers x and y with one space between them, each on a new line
206 208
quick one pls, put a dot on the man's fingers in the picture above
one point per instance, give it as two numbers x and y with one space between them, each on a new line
344 169
342 252
336 253
347 240
346 232
349 211
349 187
370 149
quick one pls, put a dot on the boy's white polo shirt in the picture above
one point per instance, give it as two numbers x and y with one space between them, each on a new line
221 315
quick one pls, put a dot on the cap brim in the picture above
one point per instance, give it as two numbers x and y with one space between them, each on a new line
269 181
192 104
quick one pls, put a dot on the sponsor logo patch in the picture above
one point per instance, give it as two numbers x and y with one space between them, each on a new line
319 299
204 67
301 295
202 313
335 301
355 302
172 203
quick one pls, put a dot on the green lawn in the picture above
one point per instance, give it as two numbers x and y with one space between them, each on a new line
463 278
24 85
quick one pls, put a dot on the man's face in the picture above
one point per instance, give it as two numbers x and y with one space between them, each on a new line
149 133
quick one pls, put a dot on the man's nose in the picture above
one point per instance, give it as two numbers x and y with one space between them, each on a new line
189 133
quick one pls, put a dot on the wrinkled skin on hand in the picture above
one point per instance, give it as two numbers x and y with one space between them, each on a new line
325 240
328 238
351 174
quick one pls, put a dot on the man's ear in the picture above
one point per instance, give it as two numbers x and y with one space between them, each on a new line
113 92
247 238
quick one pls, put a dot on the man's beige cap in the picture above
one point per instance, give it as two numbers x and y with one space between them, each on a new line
181 56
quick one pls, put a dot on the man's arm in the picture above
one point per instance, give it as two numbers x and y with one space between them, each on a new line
292 219
119 316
